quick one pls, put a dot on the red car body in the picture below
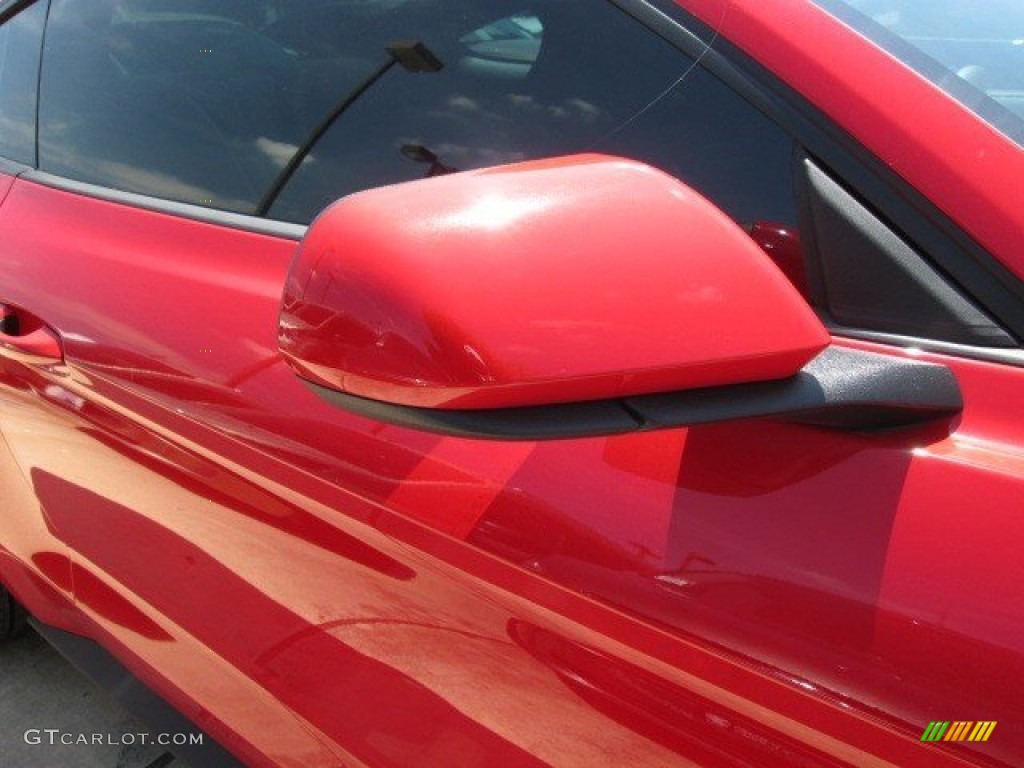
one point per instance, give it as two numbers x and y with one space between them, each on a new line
313 587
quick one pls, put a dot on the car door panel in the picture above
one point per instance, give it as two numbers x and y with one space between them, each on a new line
341 571
158 524
34 562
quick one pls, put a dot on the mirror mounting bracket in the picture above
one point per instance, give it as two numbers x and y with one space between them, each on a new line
840 388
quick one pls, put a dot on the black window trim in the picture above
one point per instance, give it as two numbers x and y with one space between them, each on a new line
13 167
240 221
1014 357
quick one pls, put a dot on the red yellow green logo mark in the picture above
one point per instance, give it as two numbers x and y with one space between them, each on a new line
960 730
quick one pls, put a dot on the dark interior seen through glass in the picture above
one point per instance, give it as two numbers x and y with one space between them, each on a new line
205 101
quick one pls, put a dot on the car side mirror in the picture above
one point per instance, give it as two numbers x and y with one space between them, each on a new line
577 296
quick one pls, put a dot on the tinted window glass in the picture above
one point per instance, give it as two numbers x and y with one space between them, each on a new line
545 79
20 40
179 99
206 101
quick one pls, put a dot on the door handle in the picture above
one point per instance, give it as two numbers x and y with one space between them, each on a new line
27 339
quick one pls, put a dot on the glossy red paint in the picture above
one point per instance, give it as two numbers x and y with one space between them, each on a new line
960 163
509 287
318 589
772 601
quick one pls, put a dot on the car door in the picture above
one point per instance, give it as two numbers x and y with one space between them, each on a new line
317 588
34 563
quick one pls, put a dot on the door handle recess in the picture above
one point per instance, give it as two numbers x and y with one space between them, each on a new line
27 339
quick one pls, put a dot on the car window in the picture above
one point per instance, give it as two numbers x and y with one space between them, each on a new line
549 78
181 100
207 101
20 41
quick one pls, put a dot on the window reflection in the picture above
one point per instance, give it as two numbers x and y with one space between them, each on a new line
20 42
207 101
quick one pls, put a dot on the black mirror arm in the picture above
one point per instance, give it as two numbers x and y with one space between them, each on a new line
839 389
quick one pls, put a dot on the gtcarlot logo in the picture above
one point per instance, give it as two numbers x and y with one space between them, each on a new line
54 736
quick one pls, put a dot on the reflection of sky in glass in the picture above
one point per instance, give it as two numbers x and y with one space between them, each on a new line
19 50
979 44
143 181
206 110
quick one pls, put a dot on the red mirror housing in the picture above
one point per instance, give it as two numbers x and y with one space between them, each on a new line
573 279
